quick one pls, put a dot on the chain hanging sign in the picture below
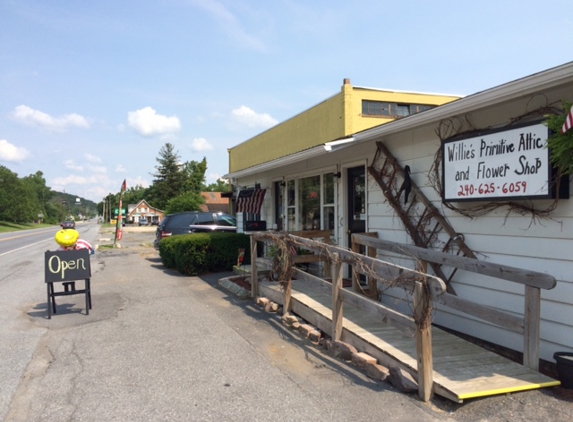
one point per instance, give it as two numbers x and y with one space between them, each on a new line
503 164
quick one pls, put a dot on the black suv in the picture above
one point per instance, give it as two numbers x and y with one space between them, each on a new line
194 222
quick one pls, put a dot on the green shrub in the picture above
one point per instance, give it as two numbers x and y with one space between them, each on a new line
199 253
167 251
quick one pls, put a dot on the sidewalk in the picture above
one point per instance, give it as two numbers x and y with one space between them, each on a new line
160 346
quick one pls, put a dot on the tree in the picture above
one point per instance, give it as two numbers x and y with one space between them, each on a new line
561 144
174 178
195 175
221 185
55 212
18 202
134 194
43 195
169 179
190 201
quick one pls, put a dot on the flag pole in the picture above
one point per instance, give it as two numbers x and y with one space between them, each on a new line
118 225
568 123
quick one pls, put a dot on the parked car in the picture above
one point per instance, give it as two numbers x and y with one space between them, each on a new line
68 225
143 222
194 222
155 223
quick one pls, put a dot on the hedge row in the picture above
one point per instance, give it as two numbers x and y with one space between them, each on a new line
200 253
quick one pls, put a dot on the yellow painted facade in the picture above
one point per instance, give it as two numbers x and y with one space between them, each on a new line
337 117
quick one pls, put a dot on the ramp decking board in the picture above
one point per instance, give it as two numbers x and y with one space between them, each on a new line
462 370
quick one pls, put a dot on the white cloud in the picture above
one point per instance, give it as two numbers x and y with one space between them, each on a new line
230 24
120 169
147 122
213 177
137 181
250 118
92 158
95 186
33 117
71 179
71 164
91 164
10 152
97 169
201 144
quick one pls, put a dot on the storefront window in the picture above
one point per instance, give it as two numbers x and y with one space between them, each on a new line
310 203
328 205
291 205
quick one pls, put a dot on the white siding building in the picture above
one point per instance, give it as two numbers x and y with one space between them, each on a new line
331 186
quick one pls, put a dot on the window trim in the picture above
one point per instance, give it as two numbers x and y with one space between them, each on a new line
392 108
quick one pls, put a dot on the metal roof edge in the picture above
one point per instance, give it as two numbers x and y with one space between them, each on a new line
279 162
514 89
399 91
501 93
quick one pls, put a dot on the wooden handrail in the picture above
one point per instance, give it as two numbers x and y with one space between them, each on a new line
529 325
505 272
386 272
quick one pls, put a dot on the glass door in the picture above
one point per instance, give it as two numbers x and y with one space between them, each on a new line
356 200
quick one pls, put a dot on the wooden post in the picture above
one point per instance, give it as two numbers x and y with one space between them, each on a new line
532 316
254 272
372 284
423 344
287 307
287 298
355 275
337 306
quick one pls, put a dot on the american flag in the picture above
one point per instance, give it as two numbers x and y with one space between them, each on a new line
251 200
568 121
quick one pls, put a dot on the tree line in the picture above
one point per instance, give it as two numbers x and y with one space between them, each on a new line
176 185
27 199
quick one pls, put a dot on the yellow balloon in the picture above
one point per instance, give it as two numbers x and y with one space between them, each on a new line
67 237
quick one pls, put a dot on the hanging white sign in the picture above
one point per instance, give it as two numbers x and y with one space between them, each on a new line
504 164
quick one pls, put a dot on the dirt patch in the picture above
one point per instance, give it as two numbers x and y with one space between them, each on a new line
242 281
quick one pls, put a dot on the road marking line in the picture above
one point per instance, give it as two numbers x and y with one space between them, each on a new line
24 247
18 236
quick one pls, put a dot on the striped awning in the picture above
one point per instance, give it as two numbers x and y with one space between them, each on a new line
250 200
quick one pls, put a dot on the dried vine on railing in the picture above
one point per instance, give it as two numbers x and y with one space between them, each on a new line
423 317
282 255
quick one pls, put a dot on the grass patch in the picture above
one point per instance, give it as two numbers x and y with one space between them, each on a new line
6 226
110 246
100 246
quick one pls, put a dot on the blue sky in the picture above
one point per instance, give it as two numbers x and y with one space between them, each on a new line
91 90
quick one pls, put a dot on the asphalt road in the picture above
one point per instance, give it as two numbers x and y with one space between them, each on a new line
159 346
22 297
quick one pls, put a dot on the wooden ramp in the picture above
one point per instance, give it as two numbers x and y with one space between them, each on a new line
462 370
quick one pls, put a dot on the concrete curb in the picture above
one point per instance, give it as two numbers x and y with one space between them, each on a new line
237 290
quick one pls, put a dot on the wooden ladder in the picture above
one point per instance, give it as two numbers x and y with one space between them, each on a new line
423 221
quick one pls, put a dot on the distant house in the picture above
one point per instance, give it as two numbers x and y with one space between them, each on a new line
142 209
214 201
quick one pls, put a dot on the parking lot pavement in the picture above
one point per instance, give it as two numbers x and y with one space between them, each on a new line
161 346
